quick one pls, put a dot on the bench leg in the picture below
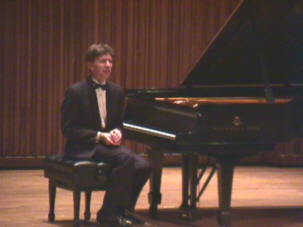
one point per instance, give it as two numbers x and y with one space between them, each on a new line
52 196
77 197
88 195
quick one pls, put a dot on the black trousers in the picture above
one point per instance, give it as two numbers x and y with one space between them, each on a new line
129 173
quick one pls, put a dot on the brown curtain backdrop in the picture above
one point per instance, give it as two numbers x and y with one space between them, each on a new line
42 48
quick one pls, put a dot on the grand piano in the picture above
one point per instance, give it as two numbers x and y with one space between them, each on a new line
242 97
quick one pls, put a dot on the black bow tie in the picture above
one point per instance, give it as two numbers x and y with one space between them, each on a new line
96 86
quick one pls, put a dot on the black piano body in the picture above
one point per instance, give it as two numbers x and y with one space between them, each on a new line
242 96
225 129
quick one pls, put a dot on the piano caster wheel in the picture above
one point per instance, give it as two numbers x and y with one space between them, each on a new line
191 214
153 211
51 217
77 223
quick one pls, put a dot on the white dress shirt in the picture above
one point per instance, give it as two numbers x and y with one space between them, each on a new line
101 98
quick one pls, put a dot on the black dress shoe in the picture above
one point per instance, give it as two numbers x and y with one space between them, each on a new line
114 220
134 220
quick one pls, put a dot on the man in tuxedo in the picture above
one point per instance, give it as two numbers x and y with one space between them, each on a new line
92 122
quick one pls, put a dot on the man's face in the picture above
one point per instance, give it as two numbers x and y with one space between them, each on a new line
101 68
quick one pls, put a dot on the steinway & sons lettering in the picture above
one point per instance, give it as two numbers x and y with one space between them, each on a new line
234 128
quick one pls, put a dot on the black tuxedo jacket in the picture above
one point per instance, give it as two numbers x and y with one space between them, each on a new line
81 121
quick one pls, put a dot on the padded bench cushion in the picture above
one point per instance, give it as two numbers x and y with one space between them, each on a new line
75 174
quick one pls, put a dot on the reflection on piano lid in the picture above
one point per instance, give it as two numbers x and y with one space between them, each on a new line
149 131
194 102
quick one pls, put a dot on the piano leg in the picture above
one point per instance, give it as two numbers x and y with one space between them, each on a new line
225 179
185 182
225 172
155 157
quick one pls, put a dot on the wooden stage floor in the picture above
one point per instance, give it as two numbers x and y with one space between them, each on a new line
262 197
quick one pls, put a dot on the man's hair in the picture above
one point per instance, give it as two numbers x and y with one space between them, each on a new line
97 50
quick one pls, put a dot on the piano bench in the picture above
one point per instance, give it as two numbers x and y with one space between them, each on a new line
77 176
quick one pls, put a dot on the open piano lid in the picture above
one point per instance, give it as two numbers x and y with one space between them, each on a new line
261 42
